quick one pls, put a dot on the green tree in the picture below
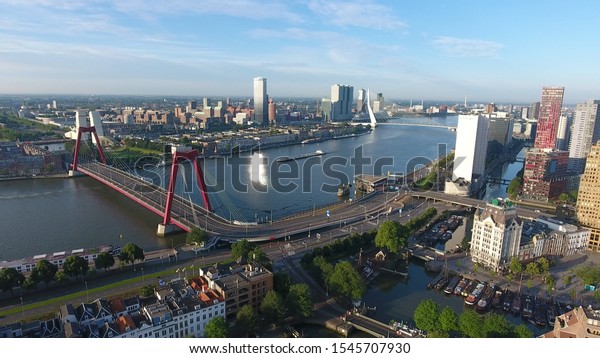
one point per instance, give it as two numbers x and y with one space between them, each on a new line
427 316
9 278
196 236
567 280
75 265
521 331
216 328
345 280
544 265
147 291
514 188
323 267
247 321
299 301
282 283
563 197
130 253
272 308
532 269
589 274
257 254
392 236
241 249
60 277
45 271
470 324
448 320
495 325
104 260
515 265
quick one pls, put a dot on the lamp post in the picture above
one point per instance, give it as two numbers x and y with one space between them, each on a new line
22 306
87 296
309 230
143 281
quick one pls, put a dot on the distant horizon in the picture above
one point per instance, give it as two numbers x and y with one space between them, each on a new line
199 97
501 52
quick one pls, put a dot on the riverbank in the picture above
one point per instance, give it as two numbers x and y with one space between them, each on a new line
38 176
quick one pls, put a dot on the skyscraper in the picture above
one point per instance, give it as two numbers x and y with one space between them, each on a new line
341 102
272 112
471 148
586 131
545 171
534 111
378 103
550 108
260 101
588 199
563 132
360 101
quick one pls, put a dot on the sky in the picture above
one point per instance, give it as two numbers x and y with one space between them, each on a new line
489 51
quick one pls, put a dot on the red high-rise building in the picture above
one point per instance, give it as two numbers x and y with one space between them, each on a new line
550 107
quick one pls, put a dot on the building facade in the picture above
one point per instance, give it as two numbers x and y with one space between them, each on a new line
545 174
341 102
588 199
586 131
471 148
260 101
549 117
496 234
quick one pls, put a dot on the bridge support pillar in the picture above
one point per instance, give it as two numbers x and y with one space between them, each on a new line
164 230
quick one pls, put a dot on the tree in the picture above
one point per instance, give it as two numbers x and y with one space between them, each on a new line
131 253
427 316
240 249
448 320
258 255
75 265
521 331
282 283
514 188
104 260
216 328
147 291
589 274
532 269
323 267
246 321
345 280
469 324
515 265
196 236
495 325
272 308
298 301
544 265
60 277
45 271
9 278
392 236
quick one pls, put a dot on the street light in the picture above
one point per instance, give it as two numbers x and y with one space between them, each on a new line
143 281
87 296
309 230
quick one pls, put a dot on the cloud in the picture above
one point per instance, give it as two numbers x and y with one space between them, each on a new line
357 13
467 47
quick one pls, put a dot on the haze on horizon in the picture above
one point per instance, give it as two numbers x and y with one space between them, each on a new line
488 51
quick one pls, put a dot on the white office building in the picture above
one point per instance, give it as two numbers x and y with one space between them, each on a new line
471 148
341 102
586 131
260 101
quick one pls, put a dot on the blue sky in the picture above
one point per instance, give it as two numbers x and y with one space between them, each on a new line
501 51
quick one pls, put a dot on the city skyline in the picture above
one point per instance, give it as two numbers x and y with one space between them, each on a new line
441 51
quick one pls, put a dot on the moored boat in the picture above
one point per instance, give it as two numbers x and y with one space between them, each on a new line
452 284
517 305
470 287
540 312
485 301
441 283
497 300
474 296
527 308
464 282
507 301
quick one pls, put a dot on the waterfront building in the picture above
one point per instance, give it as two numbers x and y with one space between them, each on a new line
499 135
545 174
496 234
588 199
260 101
378 103
549 117
471 148
360 101
326 110
341 102
586 131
